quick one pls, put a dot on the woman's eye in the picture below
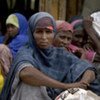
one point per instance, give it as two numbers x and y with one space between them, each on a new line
48 31
62 37
39 31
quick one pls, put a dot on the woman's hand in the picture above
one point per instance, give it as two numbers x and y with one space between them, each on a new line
80 84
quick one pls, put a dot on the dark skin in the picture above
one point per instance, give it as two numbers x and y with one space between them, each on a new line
11 33
63 39
78 38
32 76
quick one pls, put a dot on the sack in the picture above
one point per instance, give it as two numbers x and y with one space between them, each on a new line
77 94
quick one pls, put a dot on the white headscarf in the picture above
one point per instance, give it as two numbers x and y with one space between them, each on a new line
96 22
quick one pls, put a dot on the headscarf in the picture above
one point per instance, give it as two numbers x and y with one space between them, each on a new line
96 22
77 24
21 38
64 26
5 58
12 19
54 62
33 21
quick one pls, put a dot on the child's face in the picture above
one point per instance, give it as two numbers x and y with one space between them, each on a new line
63 39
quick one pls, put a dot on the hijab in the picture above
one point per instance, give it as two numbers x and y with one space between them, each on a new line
64 26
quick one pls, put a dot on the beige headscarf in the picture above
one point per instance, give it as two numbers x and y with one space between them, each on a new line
12 19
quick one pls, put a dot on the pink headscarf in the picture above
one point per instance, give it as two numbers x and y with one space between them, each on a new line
5 58
63 25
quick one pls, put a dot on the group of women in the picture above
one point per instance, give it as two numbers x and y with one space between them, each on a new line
39 69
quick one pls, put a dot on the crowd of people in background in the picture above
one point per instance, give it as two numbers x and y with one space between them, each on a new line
41 57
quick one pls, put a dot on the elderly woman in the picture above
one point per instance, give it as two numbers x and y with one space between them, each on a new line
41 71
64 34
16 32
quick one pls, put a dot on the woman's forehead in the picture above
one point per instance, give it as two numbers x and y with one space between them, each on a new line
44 22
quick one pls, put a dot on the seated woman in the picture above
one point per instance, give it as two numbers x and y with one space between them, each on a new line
41 71
16 32
5 63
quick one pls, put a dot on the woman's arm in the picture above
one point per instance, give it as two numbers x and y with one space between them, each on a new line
34 77
88 77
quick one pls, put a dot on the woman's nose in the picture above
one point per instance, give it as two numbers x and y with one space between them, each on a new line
44 36
81 40
9 29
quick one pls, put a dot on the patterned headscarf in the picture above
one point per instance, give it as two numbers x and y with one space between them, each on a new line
64 26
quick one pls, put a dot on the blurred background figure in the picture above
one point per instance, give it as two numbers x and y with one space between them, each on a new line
16 36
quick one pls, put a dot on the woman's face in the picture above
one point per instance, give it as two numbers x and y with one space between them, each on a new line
43 37
78 38
63 39
12 30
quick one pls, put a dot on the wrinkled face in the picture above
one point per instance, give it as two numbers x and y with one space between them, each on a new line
63 39
78 38
43 37
12 30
